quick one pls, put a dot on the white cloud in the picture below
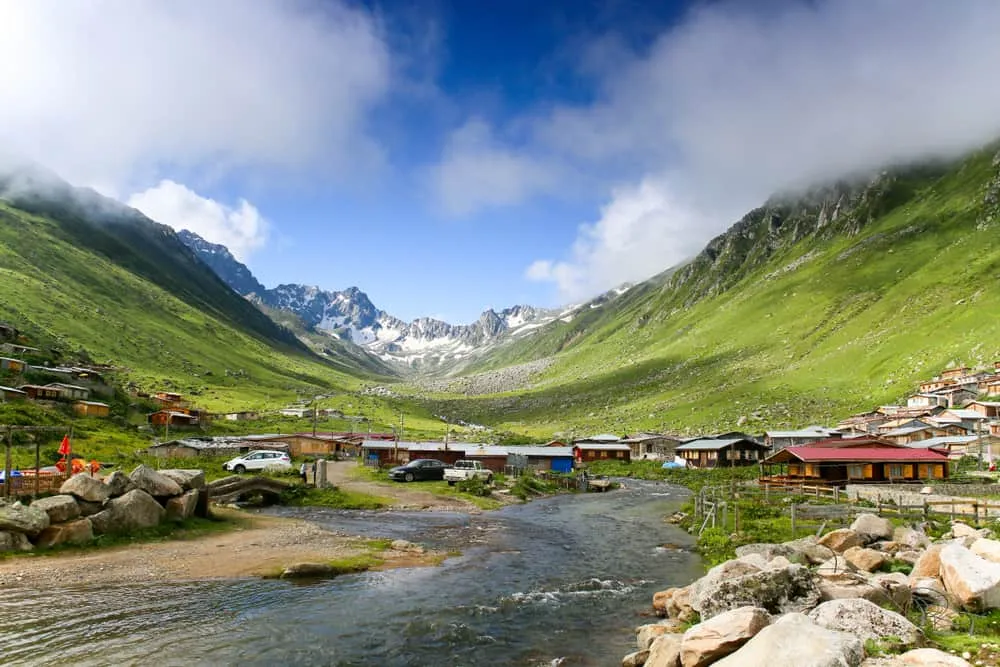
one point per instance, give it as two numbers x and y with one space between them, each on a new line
118 94
478 171
242 229
738 102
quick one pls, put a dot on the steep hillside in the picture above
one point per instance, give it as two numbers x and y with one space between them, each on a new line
99 281
807 308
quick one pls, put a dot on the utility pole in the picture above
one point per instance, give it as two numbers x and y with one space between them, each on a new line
315 413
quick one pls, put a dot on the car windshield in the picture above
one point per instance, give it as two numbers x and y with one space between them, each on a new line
465 464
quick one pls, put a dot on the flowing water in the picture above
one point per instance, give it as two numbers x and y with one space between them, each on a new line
563 577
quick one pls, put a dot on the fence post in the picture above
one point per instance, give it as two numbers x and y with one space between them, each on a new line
975 513
725 515
793 522
836 494
926 510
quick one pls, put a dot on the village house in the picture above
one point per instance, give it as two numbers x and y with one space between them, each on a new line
245 415
585 452
922 431
970 420
172 418
555 459
12 394
296 412
306 444
219 446
956 396
988 409
91 409
870 461
928 400
656 446
990 387
776 440
957 446
70 392
864 422
40 393
9 365
721 452
955 373
169 400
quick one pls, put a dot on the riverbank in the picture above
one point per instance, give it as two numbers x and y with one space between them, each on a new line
254 545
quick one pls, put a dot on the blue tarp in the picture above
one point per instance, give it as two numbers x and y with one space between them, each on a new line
13 473
673 464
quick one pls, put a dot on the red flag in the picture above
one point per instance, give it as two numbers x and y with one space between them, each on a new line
64 445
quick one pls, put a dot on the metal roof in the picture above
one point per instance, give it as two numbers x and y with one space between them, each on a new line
811 432
543 452
602 437
710 444
860 454
963 414
942 441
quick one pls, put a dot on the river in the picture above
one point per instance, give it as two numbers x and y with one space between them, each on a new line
562 577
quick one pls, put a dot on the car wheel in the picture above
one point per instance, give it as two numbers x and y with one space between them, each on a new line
240 469
451 482
408 477
489 479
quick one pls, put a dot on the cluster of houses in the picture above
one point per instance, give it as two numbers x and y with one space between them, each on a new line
80 386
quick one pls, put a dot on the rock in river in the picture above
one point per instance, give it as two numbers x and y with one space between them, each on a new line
795 640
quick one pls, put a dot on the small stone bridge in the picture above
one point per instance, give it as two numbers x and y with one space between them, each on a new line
236 487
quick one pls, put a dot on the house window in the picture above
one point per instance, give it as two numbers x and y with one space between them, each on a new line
604 454
619 455
900 470
794 469
856 472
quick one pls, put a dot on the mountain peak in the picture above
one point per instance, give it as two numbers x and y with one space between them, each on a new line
218 258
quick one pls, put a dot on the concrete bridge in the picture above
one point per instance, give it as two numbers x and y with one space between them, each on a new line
240 487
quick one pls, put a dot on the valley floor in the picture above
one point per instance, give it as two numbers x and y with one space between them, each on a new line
262 546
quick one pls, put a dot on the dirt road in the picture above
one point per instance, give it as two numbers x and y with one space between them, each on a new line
344 474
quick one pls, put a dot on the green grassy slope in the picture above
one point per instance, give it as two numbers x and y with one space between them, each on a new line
796 314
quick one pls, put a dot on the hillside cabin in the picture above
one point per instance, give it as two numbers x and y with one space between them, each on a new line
208 446
990 387
776 440
970 420
956 396
903 436
837 466
306 444
9 365
169 400
298 413
547 458
8 332
928 400
172 418
655 446
40 393
961 445
243 416
955 372
585 452
12 394
92 409
70 392
721 452
988 409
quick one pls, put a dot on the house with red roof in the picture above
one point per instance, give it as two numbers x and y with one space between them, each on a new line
857 461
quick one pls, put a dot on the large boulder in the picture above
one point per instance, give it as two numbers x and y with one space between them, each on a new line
796 640
865 559
183 506
929 563
841 540
133 511
835 566
11 541
846 586
896 587
722 572
779 591
88 508
665 651
645 635
186 479
988 549
18 518
871 528
866 620
59 508
767 551
930 657
79 531
637 659
85 487
118 483
960 529
910 538
705 643
973 581
155 484
662 600
809 551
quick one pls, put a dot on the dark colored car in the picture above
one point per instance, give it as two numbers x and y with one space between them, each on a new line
420 469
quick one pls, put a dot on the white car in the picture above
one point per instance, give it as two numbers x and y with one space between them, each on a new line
261 459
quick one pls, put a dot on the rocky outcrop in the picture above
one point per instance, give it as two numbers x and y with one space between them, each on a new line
79 531
59 508
637 659
710 640
85 487
866 620
972 580
665 651
795 639
154 483
871 528
135 510
704 587
18 518
779 591
910 538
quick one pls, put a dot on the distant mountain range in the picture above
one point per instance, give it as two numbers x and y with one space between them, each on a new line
350 315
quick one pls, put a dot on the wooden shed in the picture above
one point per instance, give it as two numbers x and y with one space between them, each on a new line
172 418
40 393
91 409
722 452
306 444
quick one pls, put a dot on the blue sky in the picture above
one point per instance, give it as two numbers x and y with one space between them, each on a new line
449 156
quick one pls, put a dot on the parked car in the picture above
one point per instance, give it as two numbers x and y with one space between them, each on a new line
418 469
260 459
465 470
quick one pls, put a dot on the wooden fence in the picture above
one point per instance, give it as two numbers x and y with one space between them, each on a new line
29 485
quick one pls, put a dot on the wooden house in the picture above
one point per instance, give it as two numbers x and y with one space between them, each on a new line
91 409
990 387
306 444
70 392
242 416
298 413
12 394
585 452
956 396
655 446
721 452
547 458
172 418
928 400
40 393
988 409
9 365
776 440
915 433
208 446
970 420
955 373
169 400
868 463
491 458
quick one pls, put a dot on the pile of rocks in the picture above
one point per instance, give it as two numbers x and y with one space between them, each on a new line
817 602
87 506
